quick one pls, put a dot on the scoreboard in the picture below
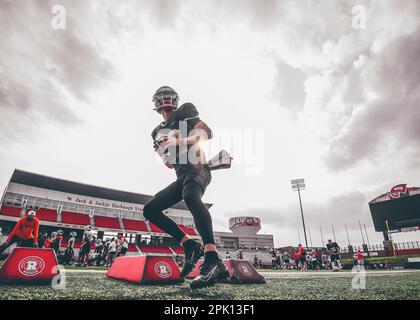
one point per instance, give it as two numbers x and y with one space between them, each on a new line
399 207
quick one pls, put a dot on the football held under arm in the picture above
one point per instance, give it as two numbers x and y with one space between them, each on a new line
201 132
178 135
197 130
189 145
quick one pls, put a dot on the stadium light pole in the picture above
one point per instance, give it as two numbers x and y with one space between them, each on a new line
299 234
297 185
347 233
361 232
333 231
322 236
367 236
310 237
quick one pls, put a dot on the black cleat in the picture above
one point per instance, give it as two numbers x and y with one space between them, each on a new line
192 254
210 274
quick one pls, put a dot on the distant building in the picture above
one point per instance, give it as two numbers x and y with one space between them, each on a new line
244 235
72 205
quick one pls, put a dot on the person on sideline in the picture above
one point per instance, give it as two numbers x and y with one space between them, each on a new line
24 234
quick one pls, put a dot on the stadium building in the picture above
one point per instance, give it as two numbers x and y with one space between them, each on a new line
396 210
73 206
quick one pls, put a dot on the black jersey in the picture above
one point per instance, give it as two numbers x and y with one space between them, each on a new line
333 247
182 121
99 248
186 112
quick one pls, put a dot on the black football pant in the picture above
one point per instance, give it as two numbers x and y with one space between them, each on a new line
190 188
28 243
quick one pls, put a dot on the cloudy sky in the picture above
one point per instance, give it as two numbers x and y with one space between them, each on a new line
325 90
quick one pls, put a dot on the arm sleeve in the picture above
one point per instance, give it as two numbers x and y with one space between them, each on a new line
13 233
36 230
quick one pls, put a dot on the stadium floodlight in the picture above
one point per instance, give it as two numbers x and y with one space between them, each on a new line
347 233
297 185
322 236
367 236
361 232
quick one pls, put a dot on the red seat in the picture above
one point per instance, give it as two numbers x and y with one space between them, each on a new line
132 247
155 249
106 222
47 215
155 228
10 211
75 218
189 231
178 250
135 225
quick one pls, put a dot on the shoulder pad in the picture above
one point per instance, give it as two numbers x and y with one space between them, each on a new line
186 111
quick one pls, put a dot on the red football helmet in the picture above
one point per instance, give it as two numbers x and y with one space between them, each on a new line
165 98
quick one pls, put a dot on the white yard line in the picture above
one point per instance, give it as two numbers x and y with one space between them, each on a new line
84 271
291 274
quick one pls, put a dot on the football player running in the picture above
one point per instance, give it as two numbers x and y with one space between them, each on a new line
334 249
176 140
85 248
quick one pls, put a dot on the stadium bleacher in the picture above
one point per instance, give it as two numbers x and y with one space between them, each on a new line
75 218
155 228
189 231
47 215
42 214
10 211
265 257
155 249
249 255
135 225
106 222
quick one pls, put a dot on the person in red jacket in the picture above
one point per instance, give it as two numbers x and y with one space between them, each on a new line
296 257
360 258
25 233
47 242
302 259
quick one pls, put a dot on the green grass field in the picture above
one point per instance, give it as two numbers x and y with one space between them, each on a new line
280 285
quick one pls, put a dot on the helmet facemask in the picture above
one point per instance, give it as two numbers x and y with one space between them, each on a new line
165 99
